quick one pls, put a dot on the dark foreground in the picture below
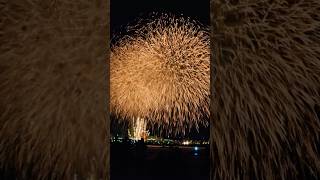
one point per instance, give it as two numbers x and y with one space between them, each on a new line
141 162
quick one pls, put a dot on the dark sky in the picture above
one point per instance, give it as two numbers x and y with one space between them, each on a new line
124 12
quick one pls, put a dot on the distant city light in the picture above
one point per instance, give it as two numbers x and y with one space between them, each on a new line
158 140
186 143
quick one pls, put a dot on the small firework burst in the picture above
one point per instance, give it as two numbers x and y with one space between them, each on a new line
139 129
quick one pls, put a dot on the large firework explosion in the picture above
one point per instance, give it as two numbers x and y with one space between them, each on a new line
266 89
160 72
53 90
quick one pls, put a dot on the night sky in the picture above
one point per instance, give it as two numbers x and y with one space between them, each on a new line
124 12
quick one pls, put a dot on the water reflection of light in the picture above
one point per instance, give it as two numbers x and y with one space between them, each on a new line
196 154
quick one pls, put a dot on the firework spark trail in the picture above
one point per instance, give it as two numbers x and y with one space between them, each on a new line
264 121
161 73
